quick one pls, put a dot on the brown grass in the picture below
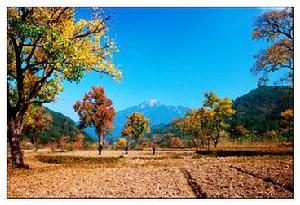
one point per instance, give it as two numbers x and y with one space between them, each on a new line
64 159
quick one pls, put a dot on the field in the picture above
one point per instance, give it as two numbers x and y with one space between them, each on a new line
168 174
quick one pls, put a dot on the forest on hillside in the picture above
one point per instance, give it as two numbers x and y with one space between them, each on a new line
257 118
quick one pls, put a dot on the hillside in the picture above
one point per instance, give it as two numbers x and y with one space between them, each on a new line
260 109
61 125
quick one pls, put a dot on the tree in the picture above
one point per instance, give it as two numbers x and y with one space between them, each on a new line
219 110
153 146
238 131
35 120
142 142
136 125
190 126
64 143
127 132
45 47
79 141
276 27
206 123
287 123
197 126
175 142
96 110
122 143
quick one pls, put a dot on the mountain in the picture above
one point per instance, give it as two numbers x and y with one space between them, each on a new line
260 109
61 125
158 114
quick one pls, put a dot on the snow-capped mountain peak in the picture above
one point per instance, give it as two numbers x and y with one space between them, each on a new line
150 103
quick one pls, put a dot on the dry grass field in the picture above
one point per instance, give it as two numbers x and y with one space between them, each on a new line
168 174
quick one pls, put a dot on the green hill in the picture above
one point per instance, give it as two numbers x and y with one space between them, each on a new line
260 109
61 125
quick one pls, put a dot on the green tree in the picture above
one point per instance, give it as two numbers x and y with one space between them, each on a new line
96 110
45 47
276 27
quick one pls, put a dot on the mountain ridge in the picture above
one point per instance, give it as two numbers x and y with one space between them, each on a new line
155 111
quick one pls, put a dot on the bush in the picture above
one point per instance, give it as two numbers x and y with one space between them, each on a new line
271 135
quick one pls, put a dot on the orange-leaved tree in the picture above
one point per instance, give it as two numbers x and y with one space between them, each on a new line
96 110
276 27
79 141
45 46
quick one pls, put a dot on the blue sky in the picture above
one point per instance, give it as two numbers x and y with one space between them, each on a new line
174 55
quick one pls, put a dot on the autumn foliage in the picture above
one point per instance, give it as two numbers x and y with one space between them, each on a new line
35 121
45 46
287 122
66 143
175 142
135 126
96 110
205 124
276 27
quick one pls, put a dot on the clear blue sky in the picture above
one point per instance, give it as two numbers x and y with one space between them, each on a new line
174 55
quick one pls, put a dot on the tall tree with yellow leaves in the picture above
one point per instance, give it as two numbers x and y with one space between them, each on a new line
136 125
46 46
219 111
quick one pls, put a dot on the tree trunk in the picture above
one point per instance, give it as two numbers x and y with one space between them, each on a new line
33 140
208 144
101 139
14 133
215 143
195 144
127 145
